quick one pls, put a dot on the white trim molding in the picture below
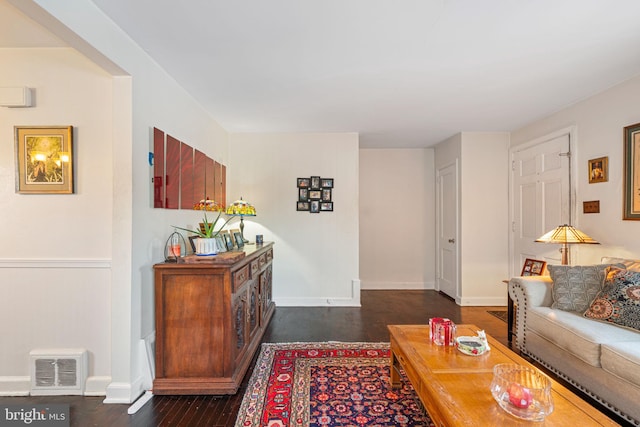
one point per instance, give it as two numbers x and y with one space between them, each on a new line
98 263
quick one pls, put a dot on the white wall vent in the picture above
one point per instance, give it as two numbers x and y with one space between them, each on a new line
58 371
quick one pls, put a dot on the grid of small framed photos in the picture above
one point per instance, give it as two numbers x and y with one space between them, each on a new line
315 194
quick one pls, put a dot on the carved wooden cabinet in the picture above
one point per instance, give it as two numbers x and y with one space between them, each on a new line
210 317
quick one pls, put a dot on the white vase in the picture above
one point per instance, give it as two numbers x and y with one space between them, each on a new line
206 246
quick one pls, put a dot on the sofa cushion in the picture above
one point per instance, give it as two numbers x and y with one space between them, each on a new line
619 301
579 336
574 287
622 359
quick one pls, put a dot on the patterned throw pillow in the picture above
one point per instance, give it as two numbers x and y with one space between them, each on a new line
574 287
619 301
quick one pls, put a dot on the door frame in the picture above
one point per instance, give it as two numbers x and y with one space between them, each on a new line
571 131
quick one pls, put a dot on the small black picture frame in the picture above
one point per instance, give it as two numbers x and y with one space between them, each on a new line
304 182
326 194
239 240
193 243
315 194
315 183
326 183
326 206
228 241
303 194
314 206
302 206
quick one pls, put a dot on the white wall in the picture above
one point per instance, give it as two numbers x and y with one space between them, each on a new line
142 97
397 219
599 123
483 217
315 255
55 262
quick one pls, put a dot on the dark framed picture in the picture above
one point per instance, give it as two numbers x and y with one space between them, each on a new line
315 194
326 194
228 240
193 243
315 182
314 206
302 206
303 194
303 182
239 240
599 170
631 177
44 159
326 183
326 206
533 267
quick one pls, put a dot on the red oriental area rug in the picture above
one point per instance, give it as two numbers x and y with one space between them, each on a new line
327 384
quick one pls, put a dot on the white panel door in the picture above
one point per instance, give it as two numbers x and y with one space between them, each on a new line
541 199
447 229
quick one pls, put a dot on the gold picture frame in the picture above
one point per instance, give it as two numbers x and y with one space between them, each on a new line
631 177
44 159
599 170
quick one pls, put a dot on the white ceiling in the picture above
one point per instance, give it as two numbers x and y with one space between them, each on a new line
403 73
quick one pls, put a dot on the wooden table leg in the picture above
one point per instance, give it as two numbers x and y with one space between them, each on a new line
395 371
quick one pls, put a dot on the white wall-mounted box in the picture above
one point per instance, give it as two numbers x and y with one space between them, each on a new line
15 97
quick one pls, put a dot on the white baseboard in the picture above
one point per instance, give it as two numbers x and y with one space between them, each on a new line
482 301
124 392
97 386
378 286
21 386
15 386
351 301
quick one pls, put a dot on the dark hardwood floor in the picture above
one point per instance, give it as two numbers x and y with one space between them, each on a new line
289 324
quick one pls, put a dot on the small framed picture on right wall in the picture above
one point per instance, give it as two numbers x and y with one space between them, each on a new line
599 170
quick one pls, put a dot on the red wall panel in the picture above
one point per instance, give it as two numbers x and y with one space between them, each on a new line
199 176
186 176
158 168
172 174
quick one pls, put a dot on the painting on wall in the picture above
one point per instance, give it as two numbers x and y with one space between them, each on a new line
44 159
631 178
598 170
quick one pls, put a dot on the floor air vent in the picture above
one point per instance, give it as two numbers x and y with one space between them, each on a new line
58 372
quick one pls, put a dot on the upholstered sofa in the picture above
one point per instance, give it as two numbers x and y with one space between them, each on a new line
598 357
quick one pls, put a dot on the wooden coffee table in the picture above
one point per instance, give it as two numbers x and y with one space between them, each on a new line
455 388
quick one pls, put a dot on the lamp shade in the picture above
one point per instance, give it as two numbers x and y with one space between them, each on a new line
241 207
566 234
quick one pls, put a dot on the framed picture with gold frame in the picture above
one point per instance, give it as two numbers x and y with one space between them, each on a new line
599 170
631 177
533 267
44 159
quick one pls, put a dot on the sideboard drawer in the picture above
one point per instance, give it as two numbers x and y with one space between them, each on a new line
239 277
262 260
255 268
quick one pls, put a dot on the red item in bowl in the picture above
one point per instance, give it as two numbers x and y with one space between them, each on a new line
519 396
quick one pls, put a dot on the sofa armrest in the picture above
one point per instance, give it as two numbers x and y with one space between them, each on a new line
527 292
531 291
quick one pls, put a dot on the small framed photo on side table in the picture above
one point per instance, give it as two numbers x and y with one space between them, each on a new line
533 267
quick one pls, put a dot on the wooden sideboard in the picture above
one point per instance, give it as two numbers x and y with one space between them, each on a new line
210 317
